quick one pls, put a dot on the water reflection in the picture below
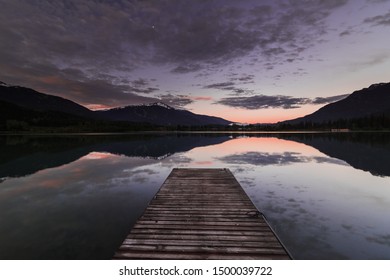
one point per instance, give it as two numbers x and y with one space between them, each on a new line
77 197
76 211
24 155
365 151
262 159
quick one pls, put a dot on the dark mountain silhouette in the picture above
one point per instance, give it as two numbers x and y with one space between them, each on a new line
161 114
36 101
371 101
14 115
20 103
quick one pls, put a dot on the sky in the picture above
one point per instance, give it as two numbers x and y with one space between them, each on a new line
248 61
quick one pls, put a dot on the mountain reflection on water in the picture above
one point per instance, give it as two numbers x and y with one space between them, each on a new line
24 155
365 151
77 196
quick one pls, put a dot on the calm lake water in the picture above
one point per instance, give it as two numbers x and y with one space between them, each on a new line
327 196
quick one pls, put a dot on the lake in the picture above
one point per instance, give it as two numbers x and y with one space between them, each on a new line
326 195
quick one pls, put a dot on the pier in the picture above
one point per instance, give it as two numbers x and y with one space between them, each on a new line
201 214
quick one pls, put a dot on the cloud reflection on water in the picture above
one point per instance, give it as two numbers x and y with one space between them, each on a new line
263 158
79 210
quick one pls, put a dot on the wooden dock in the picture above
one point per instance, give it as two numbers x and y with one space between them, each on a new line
201 214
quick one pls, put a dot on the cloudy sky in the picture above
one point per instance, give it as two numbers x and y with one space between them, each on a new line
246 61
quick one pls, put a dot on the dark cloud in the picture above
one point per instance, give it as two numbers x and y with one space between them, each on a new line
141 86
263 102
184 69
379 20
246 78
174 100
283 26
345 33
98 92
231 85
78 43
144 90
222 86
140 82
70 34
330 99
348 31
243 79
74 84
277 101
114 34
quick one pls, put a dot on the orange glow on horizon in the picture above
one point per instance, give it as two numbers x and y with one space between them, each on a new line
246 116
202 98
97 107
97 155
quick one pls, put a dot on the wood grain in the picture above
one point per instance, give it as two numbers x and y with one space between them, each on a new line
201 214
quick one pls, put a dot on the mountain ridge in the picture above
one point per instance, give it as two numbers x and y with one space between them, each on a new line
371 101
157 113
37 101
160 115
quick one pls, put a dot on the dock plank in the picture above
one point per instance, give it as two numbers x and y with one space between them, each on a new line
201 214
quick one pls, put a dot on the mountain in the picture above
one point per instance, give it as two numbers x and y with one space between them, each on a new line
161 114
24 104
371 101
33 100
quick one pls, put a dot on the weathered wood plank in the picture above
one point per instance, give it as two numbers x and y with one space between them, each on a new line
189 227
250 244
201 214
221 205
200 249
202 232
196 198
204 208
204 256
236 238
192 218
201 223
